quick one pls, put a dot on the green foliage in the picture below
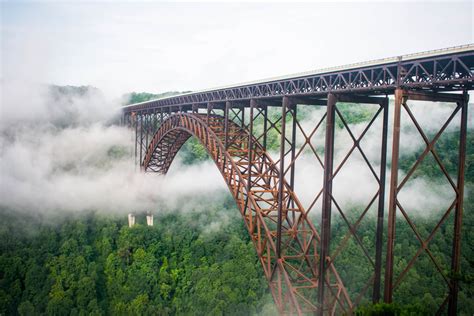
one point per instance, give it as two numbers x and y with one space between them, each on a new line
137 97
95 265
193 152
69 92
355 114
26 308
383 309
117 152
447 148
100 266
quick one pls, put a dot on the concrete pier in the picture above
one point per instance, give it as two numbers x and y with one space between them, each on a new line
131 219
149 219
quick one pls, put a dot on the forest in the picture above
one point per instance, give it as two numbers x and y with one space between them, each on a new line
94 264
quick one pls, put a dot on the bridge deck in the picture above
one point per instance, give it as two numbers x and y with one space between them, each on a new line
444 69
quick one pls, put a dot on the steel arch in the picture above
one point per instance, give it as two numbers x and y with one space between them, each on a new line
287 248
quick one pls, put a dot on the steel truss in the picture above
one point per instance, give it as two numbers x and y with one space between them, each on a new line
443 71
452 283
288 244
296 243
286 241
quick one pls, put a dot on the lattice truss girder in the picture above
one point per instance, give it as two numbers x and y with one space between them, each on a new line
450 72
255 182
459 112
287 242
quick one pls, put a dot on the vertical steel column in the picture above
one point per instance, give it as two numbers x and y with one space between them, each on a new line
392 206
327 194
456 255
226 124
381 205
265 127
141 138
253 103
155 122
285 103
293 154
226 131
147 128
208 113
136 138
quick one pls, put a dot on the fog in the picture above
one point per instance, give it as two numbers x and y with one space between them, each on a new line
354 185
62 154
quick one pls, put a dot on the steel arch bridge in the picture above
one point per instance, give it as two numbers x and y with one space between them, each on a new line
295 242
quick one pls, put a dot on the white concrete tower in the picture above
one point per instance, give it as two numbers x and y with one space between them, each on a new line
131 219
149 219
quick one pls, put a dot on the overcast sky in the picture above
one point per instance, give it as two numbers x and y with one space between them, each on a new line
164 46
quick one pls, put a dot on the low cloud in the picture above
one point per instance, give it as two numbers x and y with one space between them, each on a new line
64 156
355 185
59 153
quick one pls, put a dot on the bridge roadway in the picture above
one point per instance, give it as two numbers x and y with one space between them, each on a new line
298 256
437 70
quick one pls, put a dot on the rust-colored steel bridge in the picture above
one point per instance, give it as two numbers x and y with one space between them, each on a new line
243 126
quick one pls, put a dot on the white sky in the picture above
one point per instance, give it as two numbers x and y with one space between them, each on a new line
156 47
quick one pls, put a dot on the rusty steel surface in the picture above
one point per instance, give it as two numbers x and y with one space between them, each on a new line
393 281
456 249
298 246
301 266
290 268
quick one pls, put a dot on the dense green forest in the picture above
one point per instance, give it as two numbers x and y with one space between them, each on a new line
95 264
137 97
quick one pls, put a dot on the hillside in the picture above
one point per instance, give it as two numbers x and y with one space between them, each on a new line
137 97
200 261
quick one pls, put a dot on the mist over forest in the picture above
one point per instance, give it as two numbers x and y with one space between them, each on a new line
69 181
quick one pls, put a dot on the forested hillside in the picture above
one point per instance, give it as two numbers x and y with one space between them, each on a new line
137 97
97 265
94 264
